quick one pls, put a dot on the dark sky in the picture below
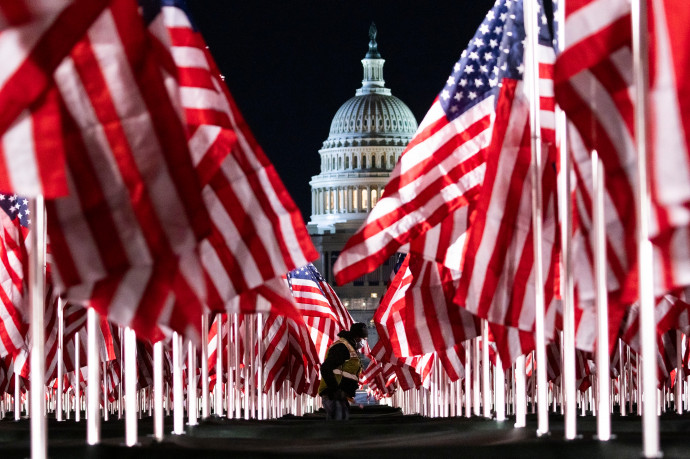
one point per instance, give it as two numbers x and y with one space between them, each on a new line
291 64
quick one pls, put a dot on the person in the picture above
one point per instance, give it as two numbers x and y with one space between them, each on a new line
340 372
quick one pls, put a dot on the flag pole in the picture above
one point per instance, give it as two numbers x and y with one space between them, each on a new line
193 410
178 406
532 82
650 421
60 366
39 429
93 416
499 390
486 366
204 366
468 378
476 392
130 375
602 354
260 367
229 393
520 392
568 349
158 391
238 394
218 391
678 392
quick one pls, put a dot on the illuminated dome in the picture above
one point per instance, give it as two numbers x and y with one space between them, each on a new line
368 134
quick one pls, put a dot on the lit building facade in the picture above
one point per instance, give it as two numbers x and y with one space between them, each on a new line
367 136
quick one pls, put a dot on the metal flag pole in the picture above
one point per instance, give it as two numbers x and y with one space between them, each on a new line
475 374
678 392
178 406
60 365
602 355
77 378
218 390
130 387
623 385
192 410
520 392
17 393
468 378
532 83
650 421
158 391
39 430
204 366
569 394
486 366
93 386
247 367
229 371
104 365
260 368
499 390
238 393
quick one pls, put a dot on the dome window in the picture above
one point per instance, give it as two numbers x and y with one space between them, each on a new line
347 162
374 197
364 162
354 162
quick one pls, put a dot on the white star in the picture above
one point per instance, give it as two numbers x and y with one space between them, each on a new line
495 70
453 108
498 29
493 43
484 29
478 83
458 96
2 197
456 67
484 69
503 17
490 15
28 221
464 53
27 212
25 202
478 42
469 69
472 95
521 68
445 94
488 56
450 80
474 55
543 19
493 82
463 83
506 50
13 198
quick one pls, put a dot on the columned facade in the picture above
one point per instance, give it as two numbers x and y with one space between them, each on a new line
367 136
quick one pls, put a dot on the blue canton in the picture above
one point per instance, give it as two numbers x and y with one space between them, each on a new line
16 207
495 52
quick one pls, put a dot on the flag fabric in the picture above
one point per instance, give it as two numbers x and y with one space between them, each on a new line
443 167
417 316
322 310
242 190
594 77
14 258
124 241
498 271
36 36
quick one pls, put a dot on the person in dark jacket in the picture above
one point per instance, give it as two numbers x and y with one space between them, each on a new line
340 372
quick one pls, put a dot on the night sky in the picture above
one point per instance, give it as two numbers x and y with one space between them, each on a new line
291 64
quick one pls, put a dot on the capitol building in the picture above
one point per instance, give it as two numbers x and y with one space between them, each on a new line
367 136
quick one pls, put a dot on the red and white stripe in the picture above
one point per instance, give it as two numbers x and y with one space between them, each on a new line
135 206
35 37
441 170
242 190
498 270
13 257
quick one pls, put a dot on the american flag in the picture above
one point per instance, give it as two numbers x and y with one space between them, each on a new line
14 258
323 312
443 167
36 36
242 191
594 77
498 271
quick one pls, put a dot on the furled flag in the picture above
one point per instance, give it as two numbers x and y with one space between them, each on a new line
321 308
498 271
257 232
443 167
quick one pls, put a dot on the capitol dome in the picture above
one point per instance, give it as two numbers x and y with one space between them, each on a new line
367 136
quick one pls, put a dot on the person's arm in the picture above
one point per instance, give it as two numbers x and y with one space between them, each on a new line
337 355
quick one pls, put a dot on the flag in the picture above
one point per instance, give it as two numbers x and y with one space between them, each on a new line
417 316
257 232
125 240
322 310
594 86
443 166
36 36
14 258
497 281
